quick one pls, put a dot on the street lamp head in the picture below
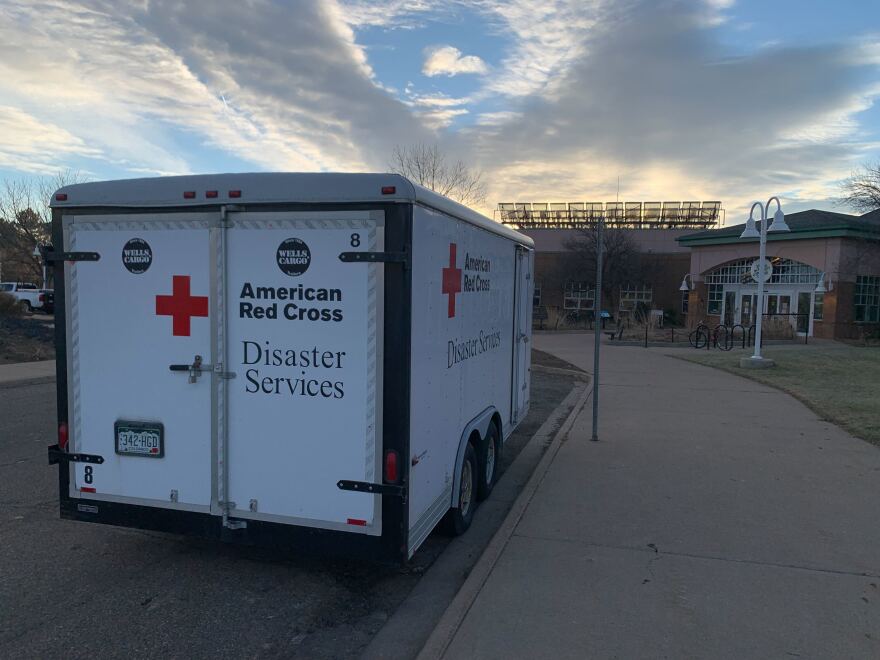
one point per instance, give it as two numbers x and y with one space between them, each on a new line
751 231
684 284
820 285
778 221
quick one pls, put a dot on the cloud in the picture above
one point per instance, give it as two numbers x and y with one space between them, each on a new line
583 90
438 100
393 14
30 145
448 61
651 92
133 80
545 37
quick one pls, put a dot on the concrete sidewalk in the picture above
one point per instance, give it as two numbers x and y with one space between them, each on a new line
21 373
716 518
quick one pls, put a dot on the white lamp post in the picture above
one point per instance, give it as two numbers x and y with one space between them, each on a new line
757 361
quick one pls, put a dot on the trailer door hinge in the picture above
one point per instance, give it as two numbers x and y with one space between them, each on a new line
367 487
51 256
375 257
58 455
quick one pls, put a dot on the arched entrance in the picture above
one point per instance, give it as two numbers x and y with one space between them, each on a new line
789 295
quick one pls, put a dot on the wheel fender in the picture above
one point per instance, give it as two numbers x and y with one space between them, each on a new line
480 424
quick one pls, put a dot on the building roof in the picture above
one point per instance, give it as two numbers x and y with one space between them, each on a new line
270 187
803 225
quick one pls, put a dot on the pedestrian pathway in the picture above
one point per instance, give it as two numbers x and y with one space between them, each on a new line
716 518
23 372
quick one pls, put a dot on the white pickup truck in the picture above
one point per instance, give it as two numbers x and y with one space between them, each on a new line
29 296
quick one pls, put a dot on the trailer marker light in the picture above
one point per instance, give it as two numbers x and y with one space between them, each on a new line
189 194
389 190
391 467
61 197
355 521
88 489
234 194
211 194
62 435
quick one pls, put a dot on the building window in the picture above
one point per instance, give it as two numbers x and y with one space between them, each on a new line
685 296
536 296
579 296
716 296
867 299
818 306
631 295
785 271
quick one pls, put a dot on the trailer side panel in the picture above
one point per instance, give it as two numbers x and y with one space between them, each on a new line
462 351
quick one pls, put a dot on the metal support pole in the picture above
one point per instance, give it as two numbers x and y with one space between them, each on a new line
762 252
597 335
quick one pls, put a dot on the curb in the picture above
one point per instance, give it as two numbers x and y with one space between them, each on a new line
445 630
17 374
406 631
36 380
574 373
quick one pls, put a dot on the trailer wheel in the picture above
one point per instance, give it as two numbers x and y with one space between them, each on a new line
458 520
490 461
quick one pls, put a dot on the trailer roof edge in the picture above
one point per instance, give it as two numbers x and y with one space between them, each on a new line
267 188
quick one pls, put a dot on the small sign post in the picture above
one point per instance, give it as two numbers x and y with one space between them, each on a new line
597 332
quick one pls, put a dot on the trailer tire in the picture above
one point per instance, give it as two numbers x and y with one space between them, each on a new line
458 519
489 461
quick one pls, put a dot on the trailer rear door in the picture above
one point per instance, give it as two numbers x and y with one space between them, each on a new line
304 340
145 305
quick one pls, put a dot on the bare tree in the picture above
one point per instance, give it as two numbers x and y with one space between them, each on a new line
621 263
25 222
861 191
427 166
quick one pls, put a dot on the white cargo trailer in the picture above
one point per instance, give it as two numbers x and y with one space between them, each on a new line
330 362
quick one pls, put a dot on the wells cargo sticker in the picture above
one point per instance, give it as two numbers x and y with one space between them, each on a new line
472 278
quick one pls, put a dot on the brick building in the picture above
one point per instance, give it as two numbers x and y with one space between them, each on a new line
825 280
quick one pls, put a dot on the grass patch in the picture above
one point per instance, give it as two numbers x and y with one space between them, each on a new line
839 383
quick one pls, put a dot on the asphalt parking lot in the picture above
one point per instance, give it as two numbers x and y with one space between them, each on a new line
84 591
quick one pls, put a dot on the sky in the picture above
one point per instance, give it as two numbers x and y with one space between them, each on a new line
553 100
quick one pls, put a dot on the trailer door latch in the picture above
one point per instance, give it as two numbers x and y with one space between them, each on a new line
367 487
374 257
58 455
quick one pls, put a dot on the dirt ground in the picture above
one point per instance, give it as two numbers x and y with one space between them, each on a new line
26 338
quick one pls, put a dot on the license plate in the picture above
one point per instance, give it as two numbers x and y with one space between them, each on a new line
140 439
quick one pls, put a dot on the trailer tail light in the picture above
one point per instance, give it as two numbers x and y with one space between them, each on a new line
88 489
62 436
61 197
389 190
189 194
357 521
211 194
391 472
234 194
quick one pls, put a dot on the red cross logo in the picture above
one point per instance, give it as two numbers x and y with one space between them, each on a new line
181 306
452 280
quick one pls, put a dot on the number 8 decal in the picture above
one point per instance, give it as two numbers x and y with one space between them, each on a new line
88 478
